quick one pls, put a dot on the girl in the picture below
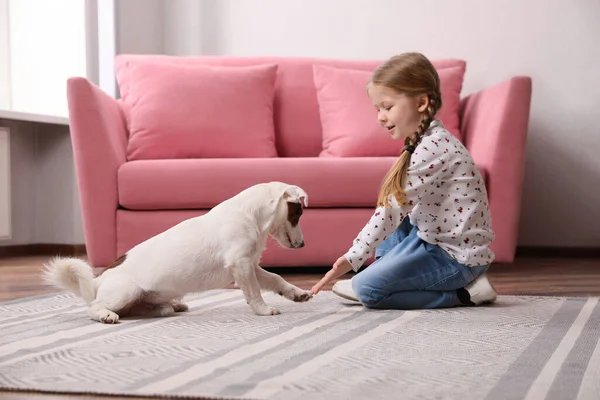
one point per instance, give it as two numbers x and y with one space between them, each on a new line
431 228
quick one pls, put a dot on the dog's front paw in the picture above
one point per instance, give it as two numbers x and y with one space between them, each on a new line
302 297
266 310
296 294
108 317
180 307
164 310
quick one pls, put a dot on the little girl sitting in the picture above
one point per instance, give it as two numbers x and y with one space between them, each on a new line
431 229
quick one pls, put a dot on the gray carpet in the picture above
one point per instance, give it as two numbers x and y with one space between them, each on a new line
520 348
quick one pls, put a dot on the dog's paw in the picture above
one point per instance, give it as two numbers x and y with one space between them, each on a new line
302 297
180 307
296 294
108 317
164 310
266 310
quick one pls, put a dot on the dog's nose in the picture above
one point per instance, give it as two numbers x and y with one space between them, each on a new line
301 245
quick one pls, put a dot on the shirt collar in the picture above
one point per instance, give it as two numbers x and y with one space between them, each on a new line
436 123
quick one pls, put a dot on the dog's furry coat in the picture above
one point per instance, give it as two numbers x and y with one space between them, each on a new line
201 253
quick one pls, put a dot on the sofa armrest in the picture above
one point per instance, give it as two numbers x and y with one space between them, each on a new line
494 123
99 138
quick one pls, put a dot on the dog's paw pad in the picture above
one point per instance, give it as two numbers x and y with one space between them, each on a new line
108 317
180 307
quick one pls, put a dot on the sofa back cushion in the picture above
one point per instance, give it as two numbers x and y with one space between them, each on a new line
349 119
201 111
297 122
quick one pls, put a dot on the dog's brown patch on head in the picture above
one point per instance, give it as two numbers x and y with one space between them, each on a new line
116 263
294 212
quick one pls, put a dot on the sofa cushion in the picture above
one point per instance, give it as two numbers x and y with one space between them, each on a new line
200 111
197 184
349 119
203 183
298 130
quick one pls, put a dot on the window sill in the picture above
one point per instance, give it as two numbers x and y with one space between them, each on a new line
27 117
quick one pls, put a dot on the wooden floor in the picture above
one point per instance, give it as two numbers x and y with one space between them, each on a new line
19 277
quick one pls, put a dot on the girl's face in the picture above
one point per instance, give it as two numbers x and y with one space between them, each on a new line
398 113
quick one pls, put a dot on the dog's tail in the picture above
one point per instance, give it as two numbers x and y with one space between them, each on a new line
72 274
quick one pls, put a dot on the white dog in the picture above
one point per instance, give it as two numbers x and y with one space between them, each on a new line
201 253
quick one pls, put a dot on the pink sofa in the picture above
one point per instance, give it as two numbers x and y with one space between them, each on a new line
127 197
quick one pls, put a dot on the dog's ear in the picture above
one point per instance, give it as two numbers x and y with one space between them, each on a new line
284 192
295 194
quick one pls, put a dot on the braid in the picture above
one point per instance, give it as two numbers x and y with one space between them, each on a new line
414 139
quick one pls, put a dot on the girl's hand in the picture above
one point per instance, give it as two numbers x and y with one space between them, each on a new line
340 267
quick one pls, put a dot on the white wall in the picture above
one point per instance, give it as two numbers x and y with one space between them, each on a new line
140 26
175 27
554 42
183 27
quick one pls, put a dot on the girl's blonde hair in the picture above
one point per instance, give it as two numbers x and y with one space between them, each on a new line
411 74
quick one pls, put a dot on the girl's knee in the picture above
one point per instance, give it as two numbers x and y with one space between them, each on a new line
368 295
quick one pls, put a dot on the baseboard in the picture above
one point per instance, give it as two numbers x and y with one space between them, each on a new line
42 249
558 252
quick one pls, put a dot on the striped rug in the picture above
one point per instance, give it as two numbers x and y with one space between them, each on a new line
520 348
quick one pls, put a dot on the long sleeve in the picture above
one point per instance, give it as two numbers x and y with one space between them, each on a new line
428 165
383 222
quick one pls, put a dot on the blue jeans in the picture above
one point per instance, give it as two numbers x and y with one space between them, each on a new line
409 273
